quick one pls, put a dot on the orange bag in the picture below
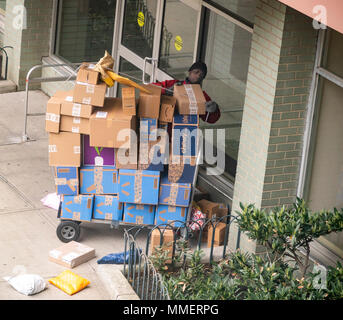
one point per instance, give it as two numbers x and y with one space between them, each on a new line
69 282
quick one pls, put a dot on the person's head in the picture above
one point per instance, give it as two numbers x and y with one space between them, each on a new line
197 72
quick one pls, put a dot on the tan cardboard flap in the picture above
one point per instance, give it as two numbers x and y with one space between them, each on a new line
87 73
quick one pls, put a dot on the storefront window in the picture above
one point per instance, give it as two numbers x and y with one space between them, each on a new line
226 51
84 29
178 38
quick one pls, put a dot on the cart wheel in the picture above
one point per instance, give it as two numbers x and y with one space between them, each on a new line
68 231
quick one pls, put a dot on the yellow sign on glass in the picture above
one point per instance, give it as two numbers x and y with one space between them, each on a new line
140 19
178 43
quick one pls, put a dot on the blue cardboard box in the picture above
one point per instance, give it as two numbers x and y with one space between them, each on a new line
174 194
167 214
67 180
77 208
148 129
98 180
139 213
139 186
107 207
185 135
182 172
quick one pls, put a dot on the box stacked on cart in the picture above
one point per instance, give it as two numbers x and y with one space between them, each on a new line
111 156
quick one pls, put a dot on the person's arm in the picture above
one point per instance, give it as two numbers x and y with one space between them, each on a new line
167 84
212 114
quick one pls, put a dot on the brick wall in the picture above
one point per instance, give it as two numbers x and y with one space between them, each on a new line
258 108
293 84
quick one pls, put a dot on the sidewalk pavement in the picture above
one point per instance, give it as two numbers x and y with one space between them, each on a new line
28 229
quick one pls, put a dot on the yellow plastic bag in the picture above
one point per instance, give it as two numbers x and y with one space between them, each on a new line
69 282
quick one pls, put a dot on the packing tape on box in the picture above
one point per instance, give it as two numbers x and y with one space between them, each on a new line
60 181
75 129
193 106
76 110
87 100
174 188
77 120
52 117
108 200
78 199
52 148
98 176
138 186
77 149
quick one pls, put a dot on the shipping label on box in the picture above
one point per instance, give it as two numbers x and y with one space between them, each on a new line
110 127
167 214
167 109
67 180
97 156
98 180
74 124
53 115
190 99
91 94
174 194
64 149
87 74
139 186
128 100
149 103
107 207
79 208
139 213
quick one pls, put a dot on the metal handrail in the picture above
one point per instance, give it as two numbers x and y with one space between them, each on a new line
28 80
6 64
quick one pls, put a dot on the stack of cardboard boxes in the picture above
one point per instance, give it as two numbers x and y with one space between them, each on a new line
110 155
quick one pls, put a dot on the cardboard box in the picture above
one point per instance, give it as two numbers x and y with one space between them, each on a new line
219 234
67 180
167 214
165 239
181 172
149 104
174 194
107 207
129 100
98 180
53 115
74 124
109 124
139 213
213 209
167 109
87 73
64 149
79 208
96 156
71 254
91 94
152 155
190 99
148 129
139 186
126 158
64 95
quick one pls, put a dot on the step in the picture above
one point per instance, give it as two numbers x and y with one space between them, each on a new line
7 86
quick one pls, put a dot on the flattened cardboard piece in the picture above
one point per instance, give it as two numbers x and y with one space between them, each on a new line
167 214
74 124
98 180
65 149
97 156
71 254
67 180
109 124
53 115
189 99
139 186
139 213
78 208
149 104
91 94
87 74
107 207
129 100
167 109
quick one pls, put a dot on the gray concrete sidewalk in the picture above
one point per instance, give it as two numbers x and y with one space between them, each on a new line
28 229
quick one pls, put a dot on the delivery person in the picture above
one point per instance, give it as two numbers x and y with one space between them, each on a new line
196 74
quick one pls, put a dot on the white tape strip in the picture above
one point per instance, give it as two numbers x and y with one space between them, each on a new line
76 111
76 149
52 117
193 106
52 148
